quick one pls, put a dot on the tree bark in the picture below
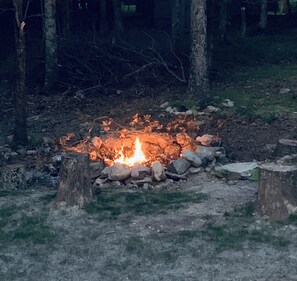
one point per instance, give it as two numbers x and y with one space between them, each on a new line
20 130
177 23
198 85
223 19
263 15
50 34
103 18
118 27
277 194
75 182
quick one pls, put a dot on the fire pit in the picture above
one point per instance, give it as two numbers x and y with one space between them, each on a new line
146 154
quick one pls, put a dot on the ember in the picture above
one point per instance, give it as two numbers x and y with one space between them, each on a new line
143 145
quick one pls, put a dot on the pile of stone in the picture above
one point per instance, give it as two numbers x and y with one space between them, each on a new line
203 159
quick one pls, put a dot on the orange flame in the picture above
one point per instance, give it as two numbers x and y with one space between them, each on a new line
137 157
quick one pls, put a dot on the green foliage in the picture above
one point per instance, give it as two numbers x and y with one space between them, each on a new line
110 205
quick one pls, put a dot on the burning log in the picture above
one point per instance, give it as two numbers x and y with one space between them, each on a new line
75 182
277 196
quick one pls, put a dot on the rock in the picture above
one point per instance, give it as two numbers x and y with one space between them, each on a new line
100 182
139 172
95 169
31 152
165 183
211 109
105 172
189 112
57 160
47 141
158 171
13 177
97 142
117 172
206 139
164 105
177 177
227 103
193 158
169 109
235 171
145 180
205 153
284 91
179 166
194 170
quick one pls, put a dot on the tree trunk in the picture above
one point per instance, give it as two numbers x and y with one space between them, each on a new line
277 195
75 182
50 34
198 86
243 21
177 23
103 18
223 19
20 130
263 15
118 27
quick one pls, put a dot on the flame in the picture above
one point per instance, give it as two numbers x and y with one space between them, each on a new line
137 157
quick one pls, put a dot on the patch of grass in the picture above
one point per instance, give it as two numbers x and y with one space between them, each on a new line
255 104
48 197
111 205
7 193
143 249
23 228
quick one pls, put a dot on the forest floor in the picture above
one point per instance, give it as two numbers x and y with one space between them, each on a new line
202 229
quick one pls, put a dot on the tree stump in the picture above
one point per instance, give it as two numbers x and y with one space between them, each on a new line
285 147
13 177
75 182
277 195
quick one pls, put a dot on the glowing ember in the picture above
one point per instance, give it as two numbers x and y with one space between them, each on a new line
137 157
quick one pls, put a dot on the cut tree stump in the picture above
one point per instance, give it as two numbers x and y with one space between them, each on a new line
13 177
75 183
277 194
286 147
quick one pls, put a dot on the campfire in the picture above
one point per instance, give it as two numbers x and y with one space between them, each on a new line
147 151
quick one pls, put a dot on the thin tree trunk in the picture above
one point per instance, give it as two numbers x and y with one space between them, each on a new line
20 130
263 15
198 86
50 33
103 18
118 27
177 23
243 21
223 19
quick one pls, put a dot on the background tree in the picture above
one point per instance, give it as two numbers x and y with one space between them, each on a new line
50 34
263 15
20 130
198 85
177 22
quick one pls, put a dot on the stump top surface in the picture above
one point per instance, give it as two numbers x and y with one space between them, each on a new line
276 167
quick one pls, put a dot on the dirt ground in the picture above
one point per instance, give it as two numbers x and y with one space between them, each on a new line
211 233
201 229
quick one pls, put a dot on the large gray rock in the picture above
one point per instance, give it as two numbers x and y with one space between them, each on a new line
234 171
139 172
179 166
206 154
158 171
116 172
193 158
